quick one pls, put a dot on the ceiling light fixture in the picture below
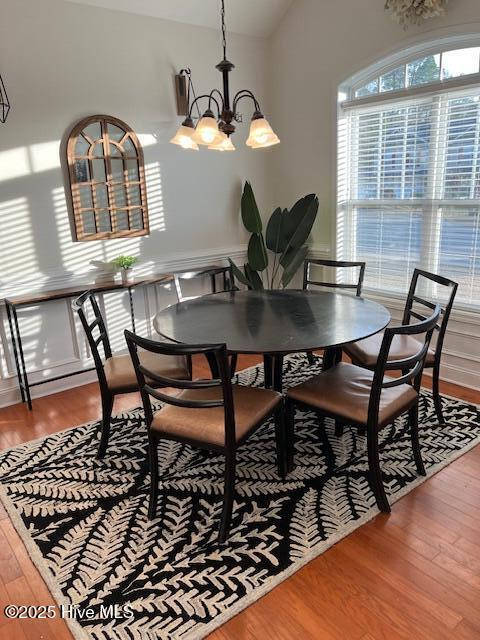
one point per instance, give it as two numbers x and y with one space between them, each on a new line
214 129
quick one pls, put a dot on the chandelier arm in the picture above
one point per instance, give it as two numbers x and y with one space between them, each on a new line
244 93
221 97
210 98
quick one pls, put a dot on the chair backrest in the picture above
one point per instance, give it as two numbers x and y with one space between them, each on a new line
415 300
334 264
411 367
228 280
80 306
144 375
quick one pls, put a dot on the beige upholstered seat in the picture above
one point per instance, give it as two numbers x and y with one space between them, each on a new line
365 352
120 373
251 405
344 391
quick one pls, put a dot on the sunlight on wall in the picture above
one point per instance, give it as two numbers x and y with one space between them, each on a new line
117 314
14 163
156 212
43 156
18 248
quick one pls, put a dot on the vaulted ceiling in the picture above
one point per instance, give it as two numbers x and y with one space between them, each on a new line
252 17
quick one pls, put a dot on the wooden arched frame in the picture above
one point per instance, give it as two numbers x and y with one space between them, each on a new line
107 180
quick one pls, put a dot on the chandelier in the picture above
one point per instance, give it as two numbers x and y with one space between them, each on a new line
215 126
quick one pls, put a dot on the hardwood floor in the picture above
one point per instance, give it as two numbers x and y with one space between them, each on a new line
413 574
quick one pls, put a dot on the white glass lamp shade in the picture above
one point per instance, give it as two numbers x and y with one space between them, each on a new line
224 143
184 138
269 141
207 131
261 134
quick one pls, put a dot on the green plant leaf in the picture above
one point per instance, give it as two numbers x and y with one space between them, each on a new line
273 234
295 216
239 274
253 277
304 221
290 270
300 236
257 254
250 214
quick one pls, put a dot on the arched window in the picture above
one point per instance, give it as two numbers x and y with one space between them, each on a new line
409 169
107 178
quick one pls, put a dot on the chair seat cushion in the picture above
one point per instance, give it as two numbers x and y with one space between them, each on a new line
120 373
251 405
365 352
344 391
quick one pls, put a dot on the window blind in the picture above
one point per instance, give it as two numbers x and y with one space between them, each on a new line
409 190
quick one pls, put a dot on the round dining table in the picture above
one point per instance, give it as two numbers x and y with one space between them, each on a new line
273 323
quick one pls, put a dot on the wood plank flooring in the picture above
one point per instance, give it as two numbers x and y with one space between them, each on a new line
414 574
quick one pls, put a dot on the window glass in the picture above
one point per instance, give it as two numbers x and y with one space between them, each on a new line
368 89
460 62
423 71
393 80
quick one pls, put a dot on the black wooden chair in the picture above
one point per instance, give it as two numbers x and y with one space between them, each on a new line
228 284
226 273
308 280
213 415
365 352
369 400
116 374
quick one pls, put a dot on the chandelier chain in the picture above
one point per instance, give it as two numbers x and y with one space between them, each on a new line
224 37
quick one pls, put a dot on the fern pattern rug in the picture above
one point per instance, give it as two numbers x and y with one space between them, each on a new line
85 524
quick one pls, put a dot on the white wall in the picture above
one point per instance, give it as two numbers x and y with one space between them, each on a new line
63 61
317 46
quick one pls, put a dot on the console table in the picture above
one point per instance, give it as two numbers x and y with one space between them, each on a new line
13 303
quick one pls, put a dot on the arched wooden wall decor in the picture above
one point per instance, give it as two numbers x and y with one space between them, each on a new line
107 179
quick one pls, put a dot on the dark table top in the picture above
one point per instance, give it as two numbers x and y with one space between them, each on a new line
272 321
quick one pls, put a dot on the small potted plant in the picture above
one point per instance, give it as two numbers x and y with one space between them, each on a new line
125 264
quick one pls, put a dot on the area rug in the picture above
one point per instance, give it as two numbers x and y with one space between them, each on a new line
84 521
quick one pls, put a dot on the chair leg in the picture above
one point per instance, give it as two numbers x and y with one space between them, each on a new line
290 433
228 495
107 406
233 364
153 459
281 442
310 358
212 363
437 401
417 452
375 472
338 428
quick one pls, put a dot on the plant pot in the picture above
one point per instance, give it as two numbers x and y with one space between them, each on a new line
127 276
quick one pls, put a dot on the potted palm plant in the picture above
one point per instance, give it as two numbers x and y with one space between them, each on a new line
274 259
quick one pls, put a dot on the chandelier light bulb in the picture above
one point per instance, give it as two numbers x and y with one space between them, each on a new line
184 136
207 131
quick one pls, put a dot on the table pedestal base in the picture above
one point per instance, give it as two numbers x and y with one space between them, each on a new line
273 371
